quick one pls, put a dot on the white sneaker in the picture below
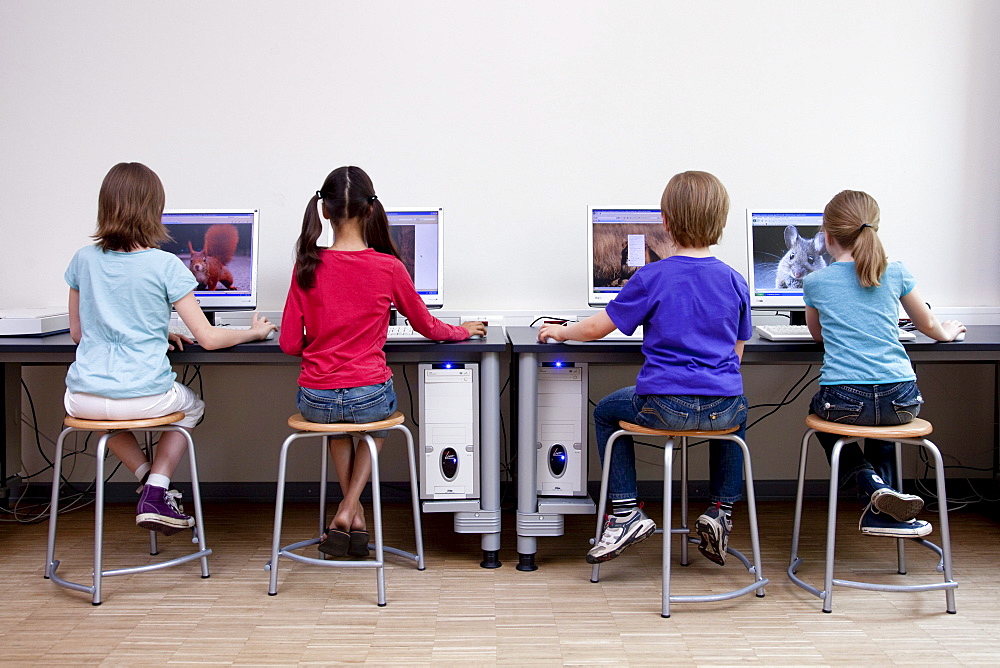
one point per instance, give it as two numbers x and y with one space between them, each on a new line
619 533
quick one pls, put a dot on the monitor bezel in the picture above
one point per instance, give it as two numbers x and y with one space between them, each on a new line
430 301
784 302
602 299
217 300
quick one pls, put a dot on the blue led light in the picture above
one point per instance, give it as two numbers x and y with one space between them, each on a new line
559 364
447 365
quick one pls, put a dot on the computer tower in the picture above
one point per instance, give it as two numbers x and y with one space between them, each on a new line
561 464
449 431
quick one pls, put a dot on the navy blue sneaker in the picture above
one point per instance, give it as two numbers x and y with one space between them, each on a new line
874 523
619 533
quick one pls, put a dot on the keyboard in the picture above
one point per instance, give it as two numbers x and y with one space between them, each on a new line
180 328
617 335
404 333
801 333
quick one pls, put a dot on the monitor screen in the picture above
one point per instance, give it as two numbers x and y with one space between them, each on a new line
219 246
418 236
621 239
783 246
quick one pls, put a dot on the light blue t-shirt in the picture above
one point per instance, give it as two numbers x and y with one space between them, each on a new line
693 311
860 325
125 301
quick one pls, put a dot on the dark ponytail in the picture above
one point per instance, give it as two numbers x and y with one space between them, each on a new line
346 193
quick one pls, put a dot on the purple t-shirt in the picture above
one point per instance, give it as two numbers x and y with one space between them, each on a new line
693 311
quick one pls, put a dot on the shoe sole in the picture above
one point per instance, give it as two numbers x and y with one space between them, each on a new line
710 542
336 544
168 526
897 533
358 546
638 537
902 507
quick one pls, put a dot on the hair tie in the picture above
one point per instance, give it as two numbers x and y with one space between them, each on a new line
373 198
319 195
863 226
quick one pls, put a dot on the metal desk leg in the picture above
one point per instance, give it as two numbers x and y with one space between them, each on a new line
527 492
489 467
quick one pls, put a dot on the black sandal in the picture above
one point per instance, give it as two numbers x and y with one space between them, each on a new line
335 543
359 543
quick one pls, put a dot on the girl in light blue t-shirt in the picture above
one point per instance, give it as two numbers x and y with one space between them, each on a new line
852 306
121 290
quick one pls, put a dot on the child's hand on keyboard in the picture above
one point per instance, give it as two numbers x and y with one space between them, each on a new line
262 326
178 340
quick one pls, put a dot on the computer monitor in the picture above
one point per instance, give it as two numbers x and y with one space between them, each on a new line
419 238
620 239
219 246
783 246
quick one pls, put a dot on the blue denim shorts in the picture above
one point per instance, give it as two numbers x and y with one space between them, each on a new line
368 403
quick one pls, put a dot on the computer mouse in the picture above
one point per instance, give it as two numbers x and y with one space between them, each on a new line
551 339
960 337
270 335
475 337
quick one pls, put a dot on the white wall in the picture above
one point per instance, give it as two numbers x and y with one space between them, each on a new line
514 116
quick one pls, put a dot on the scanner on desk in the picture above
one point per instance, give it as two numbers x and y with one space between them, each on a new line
37 321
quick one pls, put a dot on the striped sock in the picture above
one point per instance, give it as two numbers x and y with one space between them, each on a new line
727 508
622 507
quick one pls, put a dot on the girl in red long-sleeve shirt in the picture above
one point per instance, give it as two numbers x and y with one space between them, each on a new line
336 318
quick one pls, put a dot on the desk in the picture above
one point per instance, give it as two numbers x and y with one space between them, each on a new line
60 350
982 345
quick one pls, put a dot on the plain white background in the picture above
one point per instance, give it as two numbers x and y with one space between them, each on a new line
513 116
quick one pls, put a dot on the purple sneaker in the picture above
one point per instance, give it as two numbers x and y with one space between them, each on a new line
158 510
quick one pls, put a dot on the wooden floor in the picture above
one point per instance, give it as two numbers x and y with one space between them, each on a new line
456 613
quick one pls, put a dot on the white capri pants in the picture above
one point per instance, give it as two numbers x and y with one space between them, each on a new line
177 398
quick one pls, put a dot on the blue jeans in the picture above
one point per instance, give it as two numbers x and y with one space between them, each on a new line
368 403
672 412
868 405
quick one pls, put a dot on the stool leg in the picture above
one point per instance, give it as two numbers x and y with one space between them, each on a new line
279 506
799 493
944 529
831 526
900 542
54 502
199 522
602 502
99 518
668 476
377 510
414 495
751 511
148 449
324 482
684 501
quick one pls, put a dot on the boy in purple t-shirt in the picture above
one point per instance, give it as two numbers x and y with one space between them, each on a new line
695 314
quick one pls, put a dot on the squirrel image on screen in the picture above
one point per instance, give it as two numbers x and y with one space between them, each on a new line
209 265
804 256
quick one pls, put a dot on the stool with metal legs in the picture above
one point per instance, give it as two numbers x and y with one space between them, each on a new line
165 423
672 435
912 433
306 429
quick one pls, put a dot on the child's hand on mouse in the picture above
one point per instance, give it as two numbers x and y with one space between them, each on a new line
178 340
552 331
475 328
261 326
952 328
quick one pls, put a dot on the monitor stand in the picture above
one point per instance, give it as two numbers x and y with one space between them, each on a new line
797 317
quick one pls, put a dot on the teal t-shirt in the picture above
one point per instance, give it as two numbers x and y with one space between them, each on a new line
860 325
125 301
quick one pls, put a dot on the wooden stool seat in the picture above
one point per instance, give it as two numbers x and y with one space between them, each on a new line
299 423
117 425
915 429
697 433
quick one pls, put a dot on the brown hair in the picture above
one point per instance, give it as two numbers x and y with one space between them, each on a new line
130 209
347 192
852 219
695 205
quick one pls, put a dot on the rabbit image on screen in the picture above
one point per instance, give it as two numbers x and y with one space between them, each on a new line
804 256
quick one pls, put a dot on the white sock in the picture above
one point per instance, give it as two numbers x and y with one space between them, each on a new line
142 470
158 480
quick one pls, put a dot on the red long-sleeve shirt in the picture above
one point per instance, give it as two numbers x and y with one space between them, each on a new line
339 326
